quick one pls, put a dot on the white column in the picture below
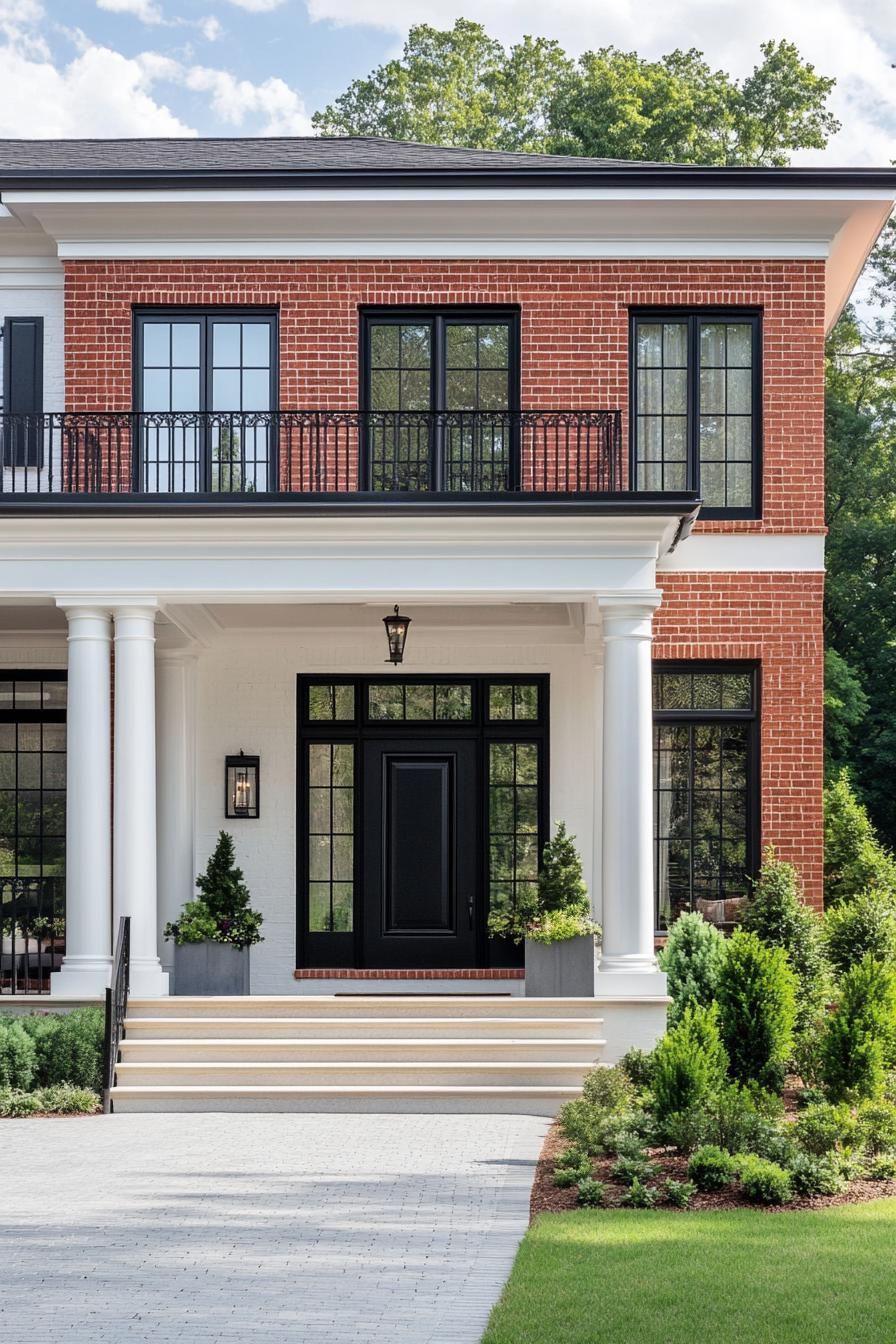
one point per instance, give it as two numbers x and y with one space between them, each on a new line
628 965
134 798
88 827
175 791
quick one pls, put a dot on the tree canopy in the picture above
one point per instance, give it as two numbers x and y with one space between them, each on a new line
462 87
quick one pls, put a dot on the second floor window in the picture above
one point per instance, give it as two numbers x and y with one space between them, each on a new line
695 406
441 386
199 377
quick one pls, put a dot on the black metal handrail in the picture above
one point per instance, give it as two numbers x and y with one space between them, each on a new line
116 1008
189 454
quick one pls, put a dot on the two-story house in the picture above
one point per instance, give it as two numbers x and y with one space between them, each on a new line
565 414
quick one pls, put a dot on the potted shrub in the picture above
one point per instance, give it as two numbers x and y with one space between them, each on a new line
556 926
213 935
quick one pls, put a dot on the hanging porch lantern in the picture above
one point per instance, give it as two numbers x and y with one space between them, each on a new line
241 786
396 634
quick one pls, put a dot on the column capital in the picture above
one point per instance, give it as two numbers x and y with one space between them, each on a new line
107 603
628 615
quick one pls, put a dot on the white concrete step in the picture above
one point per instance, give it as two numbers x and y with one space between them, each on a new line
329 1073
338 1026
359 1050
363 1006
383 1099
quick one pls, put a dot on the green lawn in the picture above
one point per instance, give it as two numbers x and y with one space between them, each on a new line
742 1277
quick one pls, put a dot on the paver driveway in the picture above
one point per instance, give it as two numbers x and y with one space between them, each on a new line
394 1228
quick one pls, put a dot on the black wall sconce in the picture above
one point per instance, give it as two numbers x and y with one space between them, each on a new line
241 793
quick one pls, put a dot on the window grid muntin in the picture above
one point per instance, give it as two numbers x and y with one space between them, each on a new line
695 320
696 729
521 841
331 761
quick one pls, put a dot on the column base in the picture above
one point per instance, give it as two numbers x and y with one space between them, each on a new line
633 1008
81 978
148 980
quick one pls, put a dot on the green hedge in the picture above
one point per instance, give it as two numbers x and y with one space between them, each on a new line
46 1049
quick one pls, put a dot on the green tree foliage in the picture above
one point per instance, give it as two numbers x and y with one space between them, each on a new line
859 1041
778 914
456 87
757 1009
462 87
845 707
854 858
692 960
561 882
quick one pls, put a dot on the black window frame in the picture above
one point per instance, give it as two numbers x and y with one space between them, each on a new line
346 949
694 317
205 315
441 316
752 717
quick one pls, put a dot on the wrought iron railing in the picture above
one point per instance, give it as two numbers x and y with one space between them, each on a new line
32 933
116 1008
190 454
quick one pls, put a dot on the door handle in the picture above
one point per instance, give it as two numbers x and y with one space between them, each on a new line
470 912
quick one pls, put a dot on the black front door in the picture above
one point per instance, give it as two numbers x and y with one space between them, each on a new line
420 814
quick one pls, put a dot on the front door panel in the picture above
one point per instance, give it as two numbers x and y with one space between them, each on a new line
420 845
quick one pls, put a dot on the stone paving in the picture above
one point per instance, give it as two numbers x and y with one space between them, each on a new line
395 1228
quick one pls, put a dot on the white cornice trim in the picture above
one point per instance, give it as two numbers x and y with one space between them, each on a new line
24 272
706 551
137 249
249 195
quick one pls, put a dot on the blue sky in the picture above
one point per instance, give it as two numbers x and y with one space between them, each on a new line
251 67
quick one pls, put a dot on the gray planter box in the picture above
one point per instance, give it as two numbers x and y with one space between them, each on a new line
210 969
561 970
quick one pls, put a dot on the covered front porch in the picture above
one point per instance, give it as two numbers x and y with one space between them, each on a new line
396 805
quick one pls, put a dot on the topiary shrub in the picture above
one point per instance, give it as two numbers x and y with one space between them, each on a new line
811 1175
757 1009
689 1062
692 960
876 1126
763 1182
17 1055
591 1194
824 1128
711 1168
222 912
854 858
864 926
609 1088
777 913
858 1041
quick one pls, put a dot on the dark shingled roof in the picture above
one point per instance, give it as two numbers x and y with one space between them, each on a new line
361 160
256 154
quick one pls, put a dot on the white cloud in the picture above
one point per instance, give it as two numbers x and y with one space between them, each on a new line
850 39
144 10
233 100
257 6
99 93
210 27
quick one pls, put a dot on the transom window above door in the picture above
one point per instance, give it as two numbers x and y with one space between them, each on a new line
695 407
441 387
210 377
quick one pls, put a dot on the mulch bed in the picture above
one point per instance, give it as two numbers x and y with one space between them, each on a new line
549 1198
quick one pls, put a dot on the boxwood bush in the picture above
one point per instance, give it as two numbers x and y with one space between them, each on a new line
44 1049
711 1168
757 1009
762 1181
864 926
858 1043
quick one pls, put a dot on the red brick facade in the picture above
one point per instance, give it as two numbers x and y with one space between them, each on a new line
575 333
774 618
574 336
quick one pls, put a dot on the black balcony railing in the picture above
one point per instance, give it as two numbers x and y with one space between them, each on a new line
191 454
32 933
116 1007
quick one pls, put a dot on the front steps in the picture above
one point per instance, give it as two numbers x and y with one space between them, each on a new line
356 1053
